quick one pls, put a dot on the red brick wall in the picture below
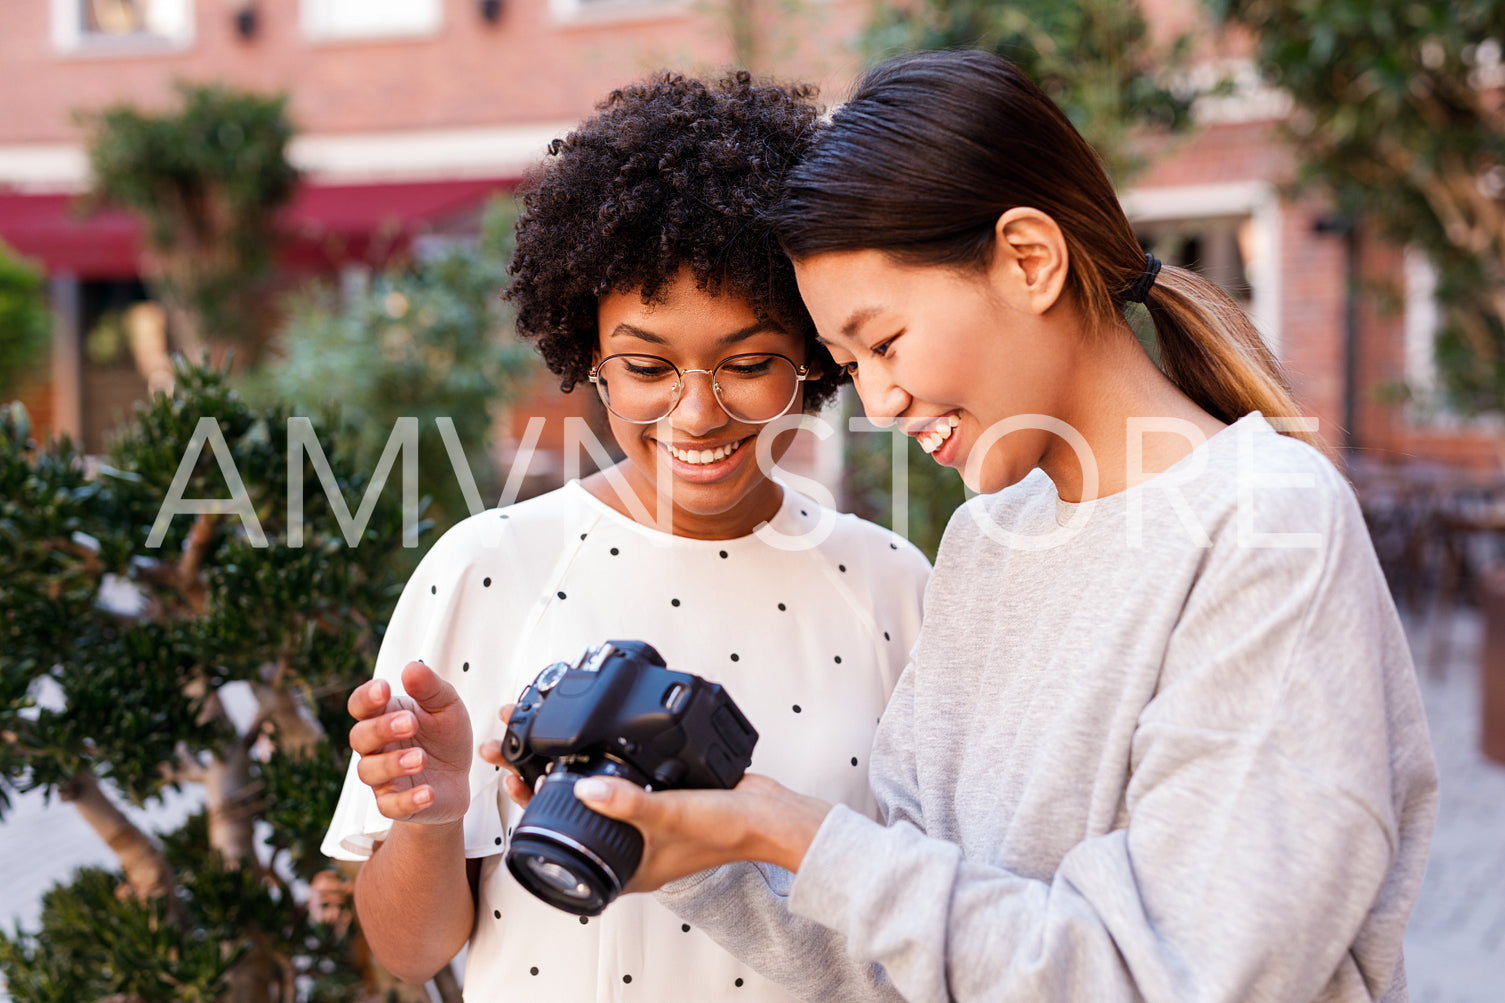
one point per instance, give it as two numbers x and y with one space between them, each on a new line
36 396
527 68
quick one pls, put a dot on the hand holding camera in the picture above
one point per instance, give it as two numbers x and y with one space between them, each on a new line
618 711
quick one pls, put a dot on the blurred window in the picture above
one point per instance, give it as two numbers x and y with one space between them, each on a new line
1218 248
110 25
327 20
610 10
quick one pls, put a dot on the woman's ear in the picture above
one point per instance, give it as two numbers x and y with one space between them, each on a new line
1030 261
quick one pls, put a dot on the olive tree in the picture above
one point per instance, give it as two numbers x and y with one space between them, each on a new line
133 616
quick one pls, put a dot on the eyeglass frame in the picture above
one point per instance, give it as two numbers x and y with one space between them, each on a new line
801 374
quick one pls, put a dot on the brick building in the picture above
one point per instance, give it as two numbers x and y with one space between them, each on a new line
412 111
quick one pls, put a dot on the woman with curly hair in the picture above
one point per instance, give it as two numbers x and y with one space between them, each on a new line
642 269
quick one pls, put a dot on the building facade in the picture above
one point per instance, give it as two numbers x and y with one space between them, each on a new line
410 112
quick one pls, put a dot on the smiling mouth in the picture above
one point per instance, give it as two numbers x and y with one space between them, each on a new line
936 433
703 456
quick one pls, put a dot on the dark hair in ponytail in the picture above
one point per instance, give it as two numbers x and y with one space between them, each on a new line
933 147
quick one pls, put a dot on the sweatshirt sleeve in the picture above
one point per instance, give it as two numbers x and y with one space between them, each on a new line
1256 859
745 907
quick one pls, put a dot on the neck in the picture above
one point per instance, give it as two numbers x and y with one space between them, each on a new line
1136 422
624 489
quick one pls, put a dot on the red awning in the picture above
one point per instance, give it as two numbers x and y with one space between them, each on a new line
51 230
326 225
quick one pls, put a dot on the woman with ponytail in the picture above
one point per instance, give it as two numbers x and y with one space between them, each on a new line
1160 736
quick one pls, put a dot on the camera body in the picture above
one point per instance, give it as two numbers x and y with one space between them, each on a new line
618 710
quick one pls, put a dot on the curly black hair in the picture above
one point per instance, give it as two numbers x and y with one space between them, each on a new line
671 172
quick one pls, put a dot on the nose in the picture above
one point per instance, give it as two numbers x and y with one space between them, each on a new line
882 399
698 411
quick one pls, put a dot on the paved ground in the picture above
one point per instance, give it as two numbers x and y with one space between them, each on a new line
1455 947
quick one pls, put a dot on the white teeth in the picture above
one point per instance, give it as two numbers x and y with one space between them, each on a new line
930 440
702 456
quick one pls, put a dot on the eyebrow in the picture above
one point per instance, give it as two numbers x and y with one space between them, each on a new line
859 317
741 334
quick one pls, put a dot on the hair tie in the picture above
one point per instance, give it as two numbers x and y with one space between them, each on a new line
1141 287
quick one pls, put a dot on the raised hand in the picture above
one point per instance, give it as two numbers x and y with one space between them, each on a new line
416 748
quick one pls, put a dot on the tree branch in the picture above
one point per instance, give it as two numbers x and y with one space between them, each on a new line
146 870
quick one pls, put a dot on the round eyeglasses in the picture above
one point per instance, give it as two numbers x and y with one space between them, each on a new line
755 387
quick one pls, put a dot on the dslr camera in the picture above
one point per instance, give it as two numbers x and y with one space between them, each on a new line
619 711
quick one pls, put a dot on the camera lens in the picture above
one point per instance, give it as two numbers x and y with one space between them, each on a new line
568 855
557 876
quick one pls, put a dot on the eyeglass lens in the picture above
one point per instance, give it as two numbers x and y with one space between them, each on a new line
751 388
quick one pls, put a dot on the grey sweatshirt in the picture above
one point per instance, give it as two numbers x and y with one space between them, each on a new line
1174 753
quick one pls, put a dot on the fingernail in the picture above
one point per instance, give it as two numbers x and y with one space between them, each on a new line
404 725
591 789
423 795
411 758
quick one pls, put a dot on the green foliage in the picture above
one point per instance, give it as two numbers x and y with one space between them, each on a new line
1095 58
431 340
25 321
1399 121
207 181
137 644
100 943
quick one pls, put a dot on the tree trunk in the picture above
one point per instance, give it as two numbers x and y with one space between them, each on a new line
296 734
146 870
227 783
448 984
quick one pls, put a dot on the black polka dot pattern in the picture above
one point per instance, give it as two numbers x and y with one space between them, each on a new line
806 618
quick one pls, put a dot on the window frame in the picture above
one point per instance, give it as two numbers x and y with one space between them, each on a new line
174 33
320 22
